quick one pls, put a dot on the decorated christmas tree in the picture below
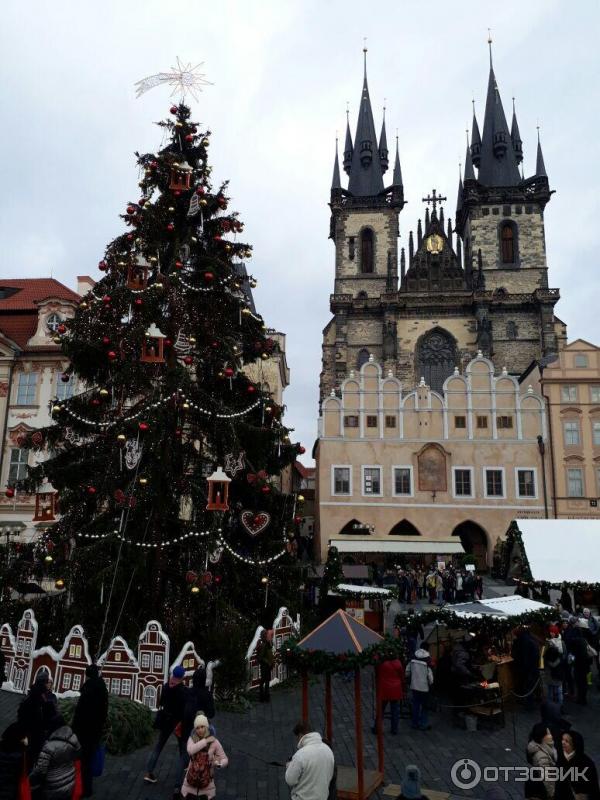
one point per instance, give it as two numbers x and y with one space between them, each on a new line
167 460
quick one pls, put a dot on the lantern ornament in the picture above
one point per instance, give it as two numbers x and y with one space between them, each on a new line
153 346
137 274
181 175
218 491
45 506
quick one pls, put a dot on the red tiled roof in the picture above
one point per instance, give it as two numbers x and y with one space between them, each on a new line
306 472
19 327
30 291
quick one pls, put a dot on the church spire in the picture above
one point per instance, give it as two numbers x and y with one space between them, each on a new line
475 139
460 192
383 148
498 165
540 167
469 171
516 136
336 183
365 170
348 149
397 178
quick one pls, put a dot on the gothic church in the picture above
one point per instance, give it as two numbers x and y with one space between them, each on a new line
480 285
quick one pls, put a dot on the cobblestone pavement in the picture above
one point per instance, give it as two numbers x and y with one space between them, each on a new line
263 735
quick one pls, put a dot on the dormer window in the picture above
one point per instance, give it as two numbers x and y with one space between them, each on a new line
367 250
52 322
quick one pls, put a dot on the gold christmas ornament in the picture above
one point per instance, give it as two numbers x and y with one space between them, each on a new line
195 589
104 393
143 481
48 559
121 437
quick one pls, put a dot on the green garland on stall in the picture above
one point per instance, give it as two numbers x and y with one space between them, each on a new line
321 661
489 624
388 594
582 586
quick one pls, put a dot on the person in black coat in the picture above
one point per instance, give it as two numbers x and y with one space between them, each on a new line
36 713
198 700
12 760
170 715
572 754
582 662
526 654
89 720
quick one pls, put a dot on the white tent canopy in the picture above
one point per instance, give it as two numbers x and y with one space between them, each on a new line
414 544
511 606
360 590
562 549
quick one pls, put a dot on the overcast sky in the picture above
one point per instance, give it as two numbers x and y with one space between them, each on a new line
282 74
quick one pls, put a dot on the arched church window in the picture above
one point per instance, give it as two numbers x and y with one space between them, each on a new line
363 357
508 243
367 250
436 358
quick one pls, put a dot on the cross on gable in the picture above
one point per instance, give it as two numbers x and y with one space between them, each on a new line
434 199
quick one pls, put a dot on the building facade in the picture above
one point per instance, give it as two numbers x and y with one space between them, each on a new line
411 470
32 368
571 388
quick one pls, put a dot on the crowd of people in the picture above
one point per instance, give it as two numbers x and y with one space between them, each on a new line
433 583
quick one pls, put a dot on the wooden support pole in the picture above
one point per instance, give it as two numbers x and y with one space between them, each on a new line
328 709
304 696
359 737
378 722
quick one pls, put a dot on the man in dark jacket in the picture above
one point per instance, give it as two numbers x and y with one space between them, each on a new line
526 654
89 720
266 660
582 662
170 714
35 714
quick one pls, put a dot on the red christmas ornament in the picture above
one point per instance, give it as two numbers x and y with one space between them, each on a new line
177 192
200 190
301 449
189 137
297 520
178 265
266 489
94 401
229 372
173 109
214 344
191 576
170 227
10 492
250 388
106 299
142 202
130 209
209 277
112 355
138 302
188 360
143 426
91 490
153 164
218 579
168 342
178 432
217 237
130 237
105 340
102 266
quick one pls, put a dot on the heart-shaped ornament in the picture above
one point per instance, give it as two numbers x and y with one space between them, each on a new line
255 521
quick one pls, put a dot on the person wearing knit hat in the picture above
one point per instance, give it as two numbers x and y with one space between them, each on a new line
206 755
168 717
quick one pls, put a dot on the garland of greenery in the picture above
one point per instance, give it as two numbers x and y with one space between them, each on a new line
321 661
582 586
387 594
486 624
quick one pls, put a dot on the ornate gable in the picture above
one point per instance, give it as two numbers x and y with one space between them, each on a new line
435 266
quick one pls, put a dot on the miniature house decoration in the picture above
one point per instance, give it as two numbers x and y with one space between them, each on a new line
137 274
154 346
181 175
218 491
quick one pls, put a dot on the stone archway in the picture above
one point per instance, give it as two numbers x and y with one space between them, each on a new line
474 540
355 528
404 528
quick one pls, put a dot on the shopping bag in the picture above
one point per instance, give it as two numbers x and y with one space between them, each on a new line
78 787
97 764
24 788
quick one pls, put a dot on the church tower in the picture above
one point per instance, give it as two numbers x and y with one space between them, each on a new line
500 218
364 229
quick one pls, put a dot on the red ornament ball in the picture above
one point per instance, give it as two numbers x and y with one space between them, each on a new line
10 492
173 109
102 266
189 137
209 276
130 209
200 190
142 202
153 164
170 227
94 401
229 372
91 490
178 432
214 344
191 576
177 192
105 340
138 301
143 426
106 299
168 342
178 265
130 237
266 489
217 238
112 355
301 450
250 388
188 360
62 328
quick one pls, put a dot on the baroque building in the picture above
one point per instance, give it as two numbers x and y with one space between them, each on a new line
453 290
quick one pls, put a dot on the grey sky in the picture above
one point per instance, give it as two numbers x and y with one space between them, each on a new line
283 72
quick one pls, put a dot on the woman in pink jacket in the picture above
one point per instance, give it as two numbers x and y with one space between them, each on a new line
206 755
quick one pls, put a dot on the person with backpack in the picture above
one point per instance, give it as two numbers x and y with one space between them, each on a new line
198 700
420 678
170 714
206 754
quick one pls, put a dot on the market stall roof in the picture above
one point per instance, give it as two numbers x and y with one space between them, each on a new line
411 544
360 590
510 606
340 633
562 549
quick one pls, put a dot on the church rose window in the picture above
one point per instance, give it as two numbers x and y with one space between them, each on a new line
436 359
367 250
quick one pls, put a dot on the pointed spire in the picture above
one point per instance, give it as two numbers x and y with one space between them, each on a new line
475 139
365 172
383 148
449 234
348 149
441 215
426 219
540 167
469 171
460 192
411 249
459 251
419 233
515 136
397 179
498 165
402 264
335 181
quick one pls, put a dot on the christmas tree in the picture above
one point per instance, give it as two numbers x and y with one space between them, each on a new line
167 463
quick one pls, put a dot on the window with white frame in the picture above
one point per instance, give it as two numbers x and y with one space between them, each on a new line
568 393
158 661
64 389
403 480
463 482
575 482
27 388
76 686
342 480
17 469
52 322
595 393
126 686
526 483
596 432
494 483
371 480
581 361
145 661
66 681
571 432
115 686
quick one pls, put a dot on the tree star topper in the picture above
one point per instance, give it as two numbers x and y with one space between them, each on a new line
184 78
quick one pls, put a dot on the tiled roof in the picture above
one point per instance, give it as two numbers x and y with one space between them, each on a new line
30 291
305 472
19 327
